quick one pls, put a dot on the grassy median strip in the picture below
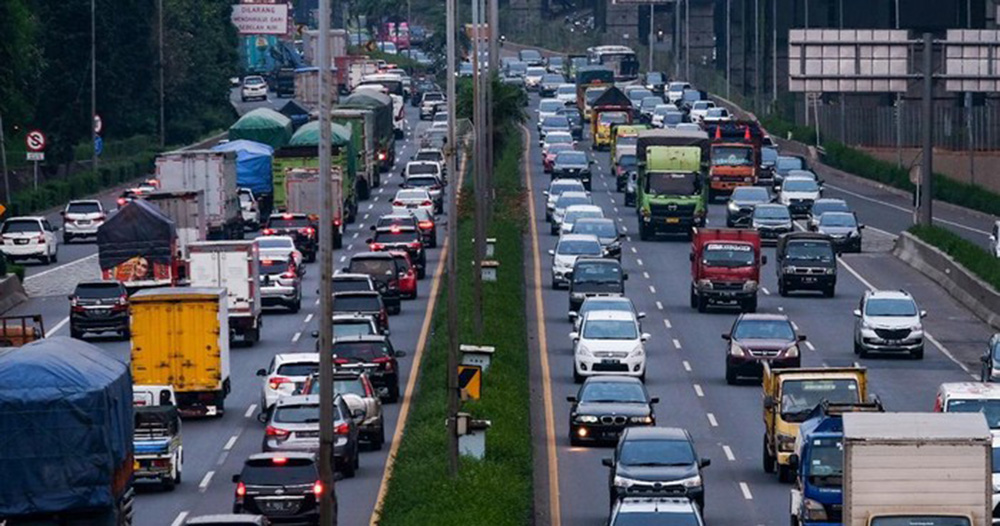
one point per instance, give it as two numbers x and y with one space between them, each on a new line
966 253
497 490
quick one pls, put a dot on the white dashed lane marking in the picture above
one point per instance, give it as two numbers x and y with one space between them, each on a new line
206 481
711 420
659 305
677 343
698 391
687 366
810 346
729 453
250 410
746 491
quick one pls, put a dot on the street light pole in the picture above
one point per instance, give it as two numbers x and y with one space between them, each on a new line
163 126
452 248
677 39
687 39
477 112
93 85
650 68
925 217
3 164
729 48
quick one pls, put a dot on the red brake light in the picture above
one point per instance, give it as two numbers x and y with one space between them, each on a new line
375 247
398 203
276 382
382 156
342 429
286 216
426 203
267 232
415 245
241 490
385 362
394 229
272 431
318 488
121 201
336 222
425 224
340 361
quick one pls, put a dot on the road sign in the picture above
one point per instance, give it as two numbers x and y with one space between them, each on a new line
35 140
98 124
2 210
35 156
470 380
98 145
853 61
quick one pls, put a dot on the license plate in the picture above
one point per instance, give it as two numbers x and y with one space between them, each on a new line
20 241
808 280
893 342
673 220
83 222
279 505
609 361
100 312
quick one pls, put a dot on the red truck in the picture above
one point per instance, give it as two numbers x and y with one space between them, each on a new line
725 268
735 156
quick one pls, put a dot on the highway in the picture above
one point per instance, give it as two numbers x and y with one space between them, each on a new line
685 356
214 449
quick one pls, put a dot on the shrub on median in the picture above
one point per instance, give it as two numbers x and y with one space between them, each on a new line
966 253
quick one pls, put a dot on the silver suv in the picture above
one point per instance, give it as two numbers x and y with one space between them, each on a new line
888 321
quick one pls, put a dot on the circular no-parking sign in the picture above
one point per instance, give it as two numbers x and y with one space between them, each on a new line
35 140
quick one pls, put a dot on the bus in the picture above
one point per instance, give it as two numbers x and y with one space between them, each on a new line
621 60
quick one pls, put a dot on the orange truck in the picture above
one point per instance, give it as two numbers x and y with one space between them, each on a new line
734 157
16 331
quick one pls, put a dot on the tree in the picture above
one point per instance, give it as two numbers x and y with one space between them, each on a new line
508 107
20 62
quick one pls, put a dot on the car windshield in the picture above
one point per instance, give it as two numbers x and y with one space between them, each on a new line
754 194
768 155
571 157
274 266
764 330
352 329
717 112
559 138
785 164
350 285
529 55
555 121
626 140
566 90
296 414
825 465
610 330
598 391
732 156
422 182
536 72
433 97
566 201
771 212
678 86
799 185
559 187
649 103
597 228
578 247
989 408
594 272
663 452
104 291
645 518
809 250
628 161
920 520
297 369
429 156
823 206
553 78
83 208
559 147
374 267
799 397
550 106
673 183
267 472
273 242
360 351
728 255
890 307
253 81
288 222
573 215
639 94
366 303
423 168
613 117
411 194
838 219
21 227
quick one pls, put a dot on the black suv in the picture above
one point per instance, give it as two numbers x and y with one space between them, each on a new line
572 164
375 356
384 271
365 303
806 261
300 227
99 306
656 461
281 486
402 238
595 277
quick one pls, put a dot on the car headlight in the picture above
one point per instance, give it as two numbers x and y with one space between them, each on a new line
583 350
813 510
733 207
786 443
792 352
750 285
831 270
586 419
641 419
638 351
692 482
866 325
736 350
788 269
622 482
705 283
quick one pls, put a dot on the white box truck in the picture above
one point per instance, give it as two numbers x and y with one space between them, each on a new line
214 173
917 469
187 211
234 266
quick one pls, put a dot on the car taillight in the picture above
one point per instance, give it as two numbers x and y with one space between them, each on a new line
77 308
121 201
336 222
425 224
385 362
241 490
275 383
415 245
382 156
376 247
307 231
267 232
340 361
101 217
398 203
426 203
318 488
342 429
40 239
393 283
272 431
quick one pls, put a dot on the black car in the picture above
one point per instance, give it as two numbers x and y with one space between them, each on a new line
365 303
384 271
786 163
806 261
843 228
822 206
657 461
572 113
375 356
605 405
280 486
300 227
772 221
404 239
768 158
549 84
739 210
606 231
655 82
595 277
99 306
572 164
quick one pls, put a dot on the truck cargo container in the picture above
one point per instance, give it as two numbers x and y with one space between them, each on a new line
233 266
310 45
302 188
187 211
303 152
362 124
385 138
212 172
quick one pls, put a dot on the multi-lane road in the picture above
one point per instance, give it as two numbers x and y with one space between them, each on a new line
685 367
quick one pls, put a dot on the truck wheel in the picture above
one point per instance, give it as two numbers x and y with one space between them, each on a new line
784 474
170 481
702 305
295 307
252 336
750 305
694 299
644 231
768 459
126 334
782 289
829 292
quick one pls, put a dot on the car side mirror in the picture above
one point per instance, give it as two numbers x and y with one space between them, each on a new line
802 337
984 359
644 337
545 193
236 478
726 336
372 228
624 276
923 314
857 313
793 462
261 372
571 399
552 252
70 297
704 463
654 400
861 227
573 316
640 316
607 462
369 241
315 334
569 275
400 354
574 336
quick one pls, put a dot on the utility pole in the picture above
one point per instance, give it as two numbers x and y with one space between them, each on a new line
925 217
93 85
163 126
729 48
756 55
478 121
774 51
453 152
677 39
650 68
328 501
3 164
687 39
494 34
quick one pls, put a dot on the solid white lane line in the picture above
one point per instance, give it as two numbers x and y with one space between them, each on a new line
230 443
677 343
711 420
652 289
687 366
58 326
180 518
766 292
659 305
308 318
206 481
746 491
904 209
810 345
296 337
729 453
250 410
698 391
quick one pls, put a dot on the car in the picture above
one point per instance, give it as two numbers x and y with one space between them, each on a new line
267 480
606 231
420 87
284 375
300 227
412 198
555 64
716 115
771 220
293 425
638 94
556 189
656 82
407 276
888 321
798 194
609 343
365 303
29 237
99 306
531 57
572 164
227 519
592 303
359 393
575 118
533 77
821 206
440 120
375 356
550 156
739 209
843 228
786 163
269 246
516 68
348 282
403 219
699 110
547 108
568 249
806 261
595 277
557 137
565 200
389 48
656 459
646 107
577 212
755 339
82 218
406 239
990 371
434 138
430 102
553 123
433 155
626 165
666 116
605 405
631 185
254 87
426 175
384 272
249 210
427 225
281 282
666 511
465 69
971 397
675 91
566 93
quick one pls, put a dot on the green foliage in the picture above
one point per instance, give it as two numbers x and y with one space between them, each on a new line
498 489
966 253
508 108
19 60
859 163
779 127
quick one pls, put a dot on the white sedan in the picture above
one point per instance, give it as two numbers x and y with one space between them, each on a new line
609 342
412 199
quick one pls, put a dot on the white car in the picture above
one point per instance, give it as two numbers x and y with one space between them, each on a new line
568 249
567 199
566 93
549 108
889 321
82 219
432 155
995 239
716 115
278 246
576 212
609 343
428 176
430 103
412 198
699 109
675 91
556 137
556 189
29 237
799 194
284 375
533 77
254 87
249 209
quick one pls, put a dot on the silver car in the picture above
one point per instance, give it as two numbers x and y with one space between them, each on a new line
82 218
556 189
359 394
889 321
281 282
294 426
566 200
569 248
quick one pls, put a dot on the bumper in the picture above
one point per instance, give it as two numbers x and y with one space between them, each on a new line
726 297
278 295
809 282
111 322
670 224
598 433
726 186
21 251
870 341
800 208
847 244
74 229
593 366
153 467
753 366
771 235
637 490
340 445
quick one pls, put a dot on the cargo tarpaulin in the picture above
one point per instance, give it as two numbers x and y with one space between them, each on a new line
296 112
262 125
139 237
340 136
253 164
65 427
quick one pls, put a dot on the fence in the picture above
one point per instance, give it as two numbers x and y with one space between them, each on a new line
955 128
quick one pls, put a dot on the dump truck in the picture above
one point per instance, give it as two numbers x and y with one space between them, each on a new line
611 109
735 156
917 469
725 268
16 331
362 125
234 266
212 172
789 397
385 135
302 188
671 189
66 421
180 337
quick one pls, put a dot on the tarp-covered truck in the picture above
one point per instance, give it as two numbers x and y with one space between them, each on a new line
611 109
671 194
303 152
66 422
385 135
138 247
180 337
362 125
214 173
302 188
234 266
262 125
253 168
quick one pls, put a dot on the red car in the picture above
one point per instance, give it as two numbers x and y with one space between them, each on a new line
407 277
549 157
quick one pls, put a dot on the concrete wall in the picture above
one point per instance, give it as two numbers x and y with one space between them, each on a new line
985 170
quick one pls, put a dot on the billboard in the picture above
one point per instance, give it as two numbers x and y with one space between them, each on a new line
848 60
261 19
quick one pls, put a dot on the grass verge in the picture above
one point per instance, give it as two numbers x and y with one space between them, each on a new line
498 489
966 253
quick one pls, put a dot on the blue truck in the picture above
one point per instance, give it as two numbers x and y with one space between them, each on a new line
817 497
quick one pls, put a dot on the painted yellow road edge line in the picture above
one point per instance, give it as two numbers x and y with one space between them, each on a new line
555 518
404 409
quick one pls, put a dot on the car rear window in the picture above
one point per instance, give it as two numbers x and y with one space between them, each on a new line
395 220
363 351
274 266
422 169
22 226
402 261
356 303
83 208
297 414
267 472
422 182
352 329
373 267
99 290
402 236
293 222
350 285
428 156
297 369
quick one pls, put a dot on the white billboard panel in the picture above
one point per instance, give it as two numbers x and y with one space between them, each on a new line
260 19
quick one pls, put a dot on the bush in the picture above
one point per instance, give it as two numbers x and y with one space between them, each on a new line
966 253
779 127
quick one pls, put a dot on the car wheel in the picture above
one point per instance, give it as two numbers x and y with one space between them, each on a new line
693 299
730 376
379 439
768 459
917 354
76 334
67 238
55 256
782 289
829 292
348 469
126 334
295 307
573 440
750 305
784 474
422 272
46 259
857 348
393 393
862 352
577 377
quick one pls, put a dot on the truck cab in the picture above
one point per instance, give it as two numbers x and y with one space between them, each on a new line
735 156
970 397
624 140
611 109
671 194
725 268
789 397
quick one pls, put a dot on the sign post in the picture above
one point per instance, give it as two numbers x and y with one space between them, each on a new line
35 141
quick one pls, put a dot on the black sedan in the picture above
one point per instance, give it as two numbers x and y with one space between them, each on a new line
572 164
739 210
605 406
658 461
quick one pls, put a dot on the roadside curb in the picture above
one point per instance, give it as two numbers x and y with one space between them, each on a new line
12 293
972 292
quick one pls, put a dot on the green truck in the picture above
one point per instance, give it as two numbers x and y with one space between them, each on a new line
385 134
671 190
362 124
302 151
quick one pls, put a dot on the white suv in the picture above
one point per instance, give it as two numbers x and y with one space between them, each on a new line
284 376
82 219
27 238
609 342
888 321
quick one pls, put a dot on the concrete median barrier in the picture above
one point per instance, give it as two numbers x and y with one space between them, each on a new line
11 293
